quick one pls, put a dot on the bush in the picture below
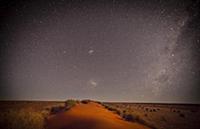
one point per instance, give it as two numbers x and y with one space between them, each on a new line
118 112
58 109
181 115
85 101
99 102
70 103
111 109
130 117
124 111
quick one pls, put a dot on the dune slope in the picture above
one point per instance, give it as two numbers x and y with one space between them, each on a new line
90 116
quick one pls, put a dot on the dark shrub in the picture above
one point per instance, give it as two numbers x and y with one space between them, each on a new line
124 111
70 103
55 110
111 108
98 102
47 108
85 101
131 117
106 106
181 115
118 112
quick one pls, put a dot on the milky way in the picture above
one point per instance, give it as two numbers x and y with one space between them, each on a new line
146 51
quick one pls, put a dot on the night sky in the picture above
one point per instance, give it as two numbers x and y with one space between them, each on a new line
138 51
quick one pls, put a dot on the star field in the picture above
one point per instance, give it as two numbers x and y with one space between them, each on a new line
106 50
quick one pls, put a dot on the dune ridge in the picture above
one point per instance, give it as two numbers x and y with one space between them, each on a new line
90 116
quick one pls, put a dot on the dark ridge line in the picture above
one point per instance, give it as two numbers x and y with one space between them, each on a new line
114 102
157 103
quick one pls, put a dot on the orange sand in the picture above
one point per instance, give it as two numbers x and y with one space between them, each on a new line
90 116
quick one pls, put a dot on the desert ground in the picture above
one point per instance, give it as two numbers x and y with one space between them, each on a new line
161 116
87 114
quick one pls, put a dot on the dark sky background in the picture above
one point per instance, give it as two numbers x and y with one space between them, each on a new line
138 51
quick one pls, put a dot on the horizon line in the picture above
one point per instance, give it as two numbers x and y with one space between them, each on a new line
109 101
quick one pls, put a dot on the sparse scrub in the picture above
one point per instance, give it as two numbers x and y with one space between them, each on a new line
113 109
160 116
136 118
15 119
130 115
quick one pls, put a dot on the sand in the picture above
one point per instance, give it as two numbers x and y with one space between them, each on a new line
90 116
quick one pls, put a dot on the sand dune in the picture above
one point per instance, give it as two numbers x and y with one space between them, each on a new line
90 116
